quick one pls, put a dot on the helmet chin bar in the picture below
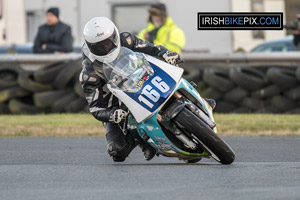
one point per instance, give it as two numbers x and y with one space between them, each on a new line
109 57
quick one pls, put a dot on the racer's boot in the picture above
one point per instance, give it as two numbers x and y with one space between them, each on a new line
117 144
211 102
149 151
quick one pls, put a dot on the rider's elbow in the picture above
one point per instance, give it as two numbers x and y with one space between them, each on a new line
101 114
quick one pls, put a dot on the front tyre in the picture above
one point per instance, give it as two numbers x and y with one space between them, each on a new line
217 147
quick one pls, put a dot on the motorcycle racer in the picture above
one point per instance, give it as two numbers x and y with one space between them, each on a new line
103 41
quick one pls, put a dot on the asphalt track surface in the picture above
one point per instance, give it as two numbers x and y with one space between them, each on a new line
79 168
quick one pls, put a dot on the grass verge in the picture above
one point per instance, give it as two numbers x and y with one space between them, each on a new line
50 125
258 124
83 125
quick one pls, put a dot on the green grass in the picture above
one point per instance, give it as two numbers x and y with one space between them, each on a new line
258 124
50 125
81 125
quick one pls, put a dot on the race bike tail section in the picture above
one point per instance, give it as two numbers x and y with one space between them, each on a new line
165 109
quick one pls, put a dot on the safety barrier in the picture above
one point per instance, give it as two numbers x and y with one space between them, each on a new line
240 83
41 86
251 89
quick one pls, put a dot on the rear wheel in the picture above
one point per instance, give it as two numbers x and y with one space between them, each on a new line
217 147
195 160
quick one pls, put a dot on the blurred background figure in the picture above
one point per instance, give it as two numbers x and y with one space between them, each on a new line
296 34
54 36
161 29
294 27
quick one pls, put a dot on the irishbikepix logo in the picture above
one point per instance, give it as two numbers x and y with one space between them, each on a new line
240 21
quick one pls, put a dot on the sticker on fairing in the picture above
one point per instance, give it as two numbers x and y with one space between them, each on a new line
155 90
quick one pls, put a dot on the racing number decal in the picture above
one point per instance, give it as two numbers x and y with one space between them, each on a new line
155 90
151 93
161 85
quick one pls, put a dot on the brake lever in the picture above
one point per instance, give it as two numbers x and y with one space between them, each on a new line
178 62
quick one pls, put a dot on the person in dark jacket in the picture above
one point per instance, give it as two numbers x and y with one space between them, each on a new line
54 36
103 41
294 26
297 34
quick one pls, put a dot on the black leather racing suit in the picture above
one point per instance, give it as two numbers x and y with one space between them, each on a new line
101 102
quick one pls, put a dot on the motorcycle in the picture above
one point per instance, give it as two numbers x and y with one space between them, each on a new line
164 108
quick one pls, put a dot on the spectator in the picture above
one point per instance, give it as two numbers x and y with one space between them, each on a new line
161 29
296 33
54 36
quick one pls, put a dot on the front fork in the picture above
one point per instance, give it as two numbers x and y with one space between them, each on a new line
173 110
182 102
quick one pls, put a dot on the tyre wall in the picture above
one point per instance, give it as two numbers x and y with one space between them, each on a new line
56 88
259 89
53 88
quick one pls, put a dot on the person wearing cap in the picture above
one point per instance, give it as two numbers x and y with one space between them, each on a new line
296 33
54 36
161 29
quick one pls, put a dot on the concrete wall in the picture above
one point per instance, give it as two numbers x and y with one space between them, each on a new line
184 14
77 12
12 23
244 39
73 12
275 6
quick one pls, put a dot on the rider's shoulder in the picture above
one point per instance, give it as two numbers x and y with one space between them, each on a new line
88 74
127 39
126 34
87 65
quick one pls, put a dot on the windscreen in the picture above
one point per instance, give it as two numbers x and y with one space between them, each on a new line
128 71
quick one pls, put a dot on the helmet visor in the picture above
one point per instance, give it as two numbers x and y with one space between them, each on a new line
103 47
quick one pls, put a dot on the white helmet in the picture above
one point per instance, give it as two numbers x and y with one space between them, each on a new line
102 38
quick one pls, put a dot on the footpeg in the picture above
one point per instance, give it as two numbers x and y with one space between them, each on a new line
211 102
193 84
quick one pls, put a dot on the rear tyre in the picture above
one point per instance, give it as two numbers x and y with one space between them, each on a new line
195 160
214 144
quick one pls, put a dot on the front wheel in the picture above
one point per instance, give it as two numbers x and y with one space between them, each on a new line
217 147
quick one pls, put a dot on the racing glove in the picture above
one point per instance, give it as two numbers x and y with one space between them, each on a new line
118 116
170 57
